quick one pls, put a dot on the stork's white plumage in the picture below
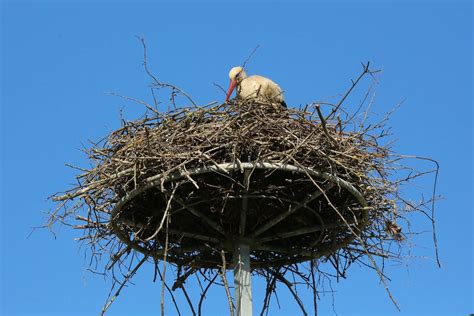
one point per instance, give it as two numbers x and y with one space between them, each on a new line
255 87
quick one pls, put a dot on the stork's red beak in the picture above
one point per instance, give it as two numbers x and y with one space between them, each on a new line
232 85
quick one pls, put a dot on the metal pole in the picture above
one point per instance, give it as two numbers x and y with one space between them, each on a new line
242 280
242 272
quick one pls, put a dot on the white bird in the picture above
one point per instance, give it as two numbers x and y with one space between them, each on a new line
255 87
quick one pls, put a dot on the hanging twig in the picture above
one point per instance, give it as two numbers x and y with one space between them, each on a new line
157 270
288 284
203 294
165 255
226 284
125 281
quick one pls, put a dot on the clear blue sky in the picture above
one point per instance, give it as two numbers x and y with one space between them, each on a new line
58 59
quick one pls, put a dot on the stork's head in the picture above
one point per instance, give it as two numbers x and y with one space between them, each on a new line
236 75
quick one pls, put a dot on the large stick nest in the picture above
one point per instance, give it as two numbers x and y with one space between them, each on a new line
148 166
187 185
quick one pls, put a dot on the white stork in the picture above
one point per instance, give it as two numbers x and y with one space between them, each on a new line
255 87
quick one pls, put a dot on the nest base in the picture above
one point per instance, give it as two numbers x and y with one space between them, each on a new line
281 211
